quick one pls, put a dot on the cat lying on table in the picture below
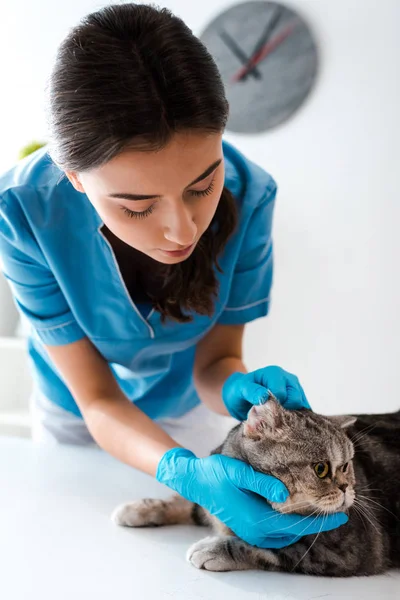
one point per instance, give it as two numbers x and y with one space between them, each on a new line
304 449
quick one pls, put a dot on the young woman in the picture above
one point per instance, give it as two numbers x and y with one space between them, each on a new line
137 245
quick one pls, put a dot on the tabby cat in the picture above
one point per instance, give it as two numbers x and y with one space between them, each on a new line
329 464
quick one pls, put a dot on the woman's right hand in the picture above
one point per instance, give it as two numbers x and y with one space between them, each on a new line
225 487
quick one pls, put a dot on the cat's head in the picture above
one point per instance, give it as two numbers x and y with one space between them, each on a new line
310 453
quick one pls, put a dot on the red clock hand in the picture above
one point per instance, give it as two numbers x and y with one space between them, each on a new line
264 52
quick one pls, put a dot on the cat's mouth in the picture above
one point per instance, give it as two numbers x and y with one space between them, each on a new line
343 503
349 498
298 503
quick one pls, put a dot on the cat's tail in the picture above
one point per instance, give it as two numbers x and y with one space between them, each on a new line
152 512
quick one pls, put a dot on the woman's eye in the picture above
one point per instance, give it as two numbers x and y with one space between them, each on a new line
205 192
145 213
321 469
137 215
345 467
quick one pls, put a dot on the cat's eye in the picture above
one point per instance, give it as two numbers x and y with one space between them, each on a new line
321 469
344 468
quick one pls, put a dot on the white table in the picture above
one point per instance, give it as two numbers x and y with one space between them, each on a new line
57 541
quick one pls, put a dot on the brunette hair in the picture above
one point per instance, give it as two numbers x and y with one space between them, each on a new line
130 76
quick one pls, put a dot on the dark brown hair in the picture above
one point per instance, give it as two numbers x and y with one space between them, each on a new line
130 76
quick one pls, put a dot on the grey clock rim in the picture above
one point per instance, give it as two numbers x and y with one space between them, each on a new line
297 100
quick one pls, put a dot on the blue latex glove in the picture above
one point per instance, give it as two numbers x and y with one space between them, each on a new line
225 486
241 390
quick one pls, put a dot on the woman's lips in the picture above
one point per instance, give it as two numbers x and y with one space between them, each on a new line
178 253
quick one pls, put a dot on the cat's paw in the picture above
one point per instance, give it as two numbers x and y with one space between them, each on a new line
210 554
141 513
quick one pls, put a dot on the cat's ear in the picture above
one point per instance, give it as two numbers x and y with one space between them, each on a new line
342 421
264 420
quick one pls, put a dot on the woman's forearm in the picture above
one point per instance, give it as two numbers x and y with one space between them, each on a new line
127 433
117 425
210 380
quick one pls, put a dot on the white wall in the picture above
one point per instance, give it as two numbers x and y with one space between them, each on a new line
335 315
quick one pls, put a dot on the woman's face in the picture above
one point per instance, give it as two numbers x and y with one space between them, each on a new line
174 193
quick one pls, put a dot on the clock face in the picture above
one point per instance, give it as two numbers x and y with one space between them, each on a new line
268 61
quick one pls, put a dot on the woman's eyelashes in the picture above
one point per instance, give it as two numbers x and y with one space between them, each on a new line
138 215
133 214
205 192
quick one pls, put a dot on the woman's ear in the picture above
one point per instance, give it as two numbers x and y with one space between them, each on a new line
74 179
265 420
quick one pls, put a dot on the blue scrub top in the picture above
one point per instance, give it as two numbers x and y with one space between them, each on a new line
66 283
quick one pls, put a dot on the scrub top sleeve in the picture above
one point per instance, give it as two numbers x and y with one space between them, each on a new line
249 296
35 290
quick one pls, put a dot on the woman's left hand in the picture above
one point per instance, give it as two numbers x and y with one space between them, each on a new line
241 390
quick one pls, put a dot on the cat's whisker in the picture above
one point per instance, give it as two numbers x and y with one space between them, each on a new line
303 519
358 445
311 545
360 514
369 499
365 512
364 431
358 438
274 515
371 496
300 503
367 487
282 514
369 509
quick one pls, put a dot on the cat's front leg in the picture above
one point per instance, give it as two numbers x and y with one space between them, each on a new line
230 553
153 512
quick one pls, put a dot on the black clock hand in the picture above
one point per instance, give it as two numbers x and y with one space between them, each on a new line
238 52
272 23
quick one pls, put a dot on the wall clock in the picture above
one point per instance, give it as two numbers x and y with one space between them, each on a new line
268 60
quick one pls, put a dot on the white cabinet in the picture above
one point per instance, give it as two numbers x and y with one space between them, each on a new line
9 316
15 387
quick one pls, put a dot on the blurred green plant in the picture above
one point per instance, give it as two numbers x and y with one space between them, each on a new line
29 148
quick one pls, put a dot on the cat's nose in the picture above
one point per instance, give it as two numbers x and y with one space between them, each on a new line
343 486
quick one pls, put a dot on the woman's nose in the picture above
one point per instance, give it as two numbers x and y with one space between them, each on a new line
181 229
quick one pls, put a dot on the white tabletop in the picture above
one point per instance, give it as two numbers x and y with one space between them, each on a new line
57 541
